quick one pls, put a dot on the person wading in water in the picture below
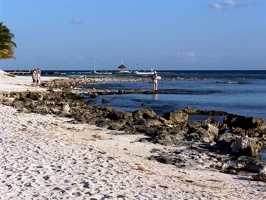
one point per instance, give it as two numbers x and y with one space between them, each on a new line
155 79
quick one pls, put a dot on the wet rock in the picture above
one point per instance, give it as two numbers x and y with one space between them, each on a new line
65 107
15 95
211 112
32 95
103 123
40 96
121 92
42 109
189 111
76 103
211 129
105 101
127 129
143 114
118 115
94 95
246 146
115 126
187 158
153 122
25 110
196 132
7 102
55 111
141 128
252 164
225 141
244 122
18 104
172 138
147 117
176 116
220 126
71 96
261 176
231 168
92 101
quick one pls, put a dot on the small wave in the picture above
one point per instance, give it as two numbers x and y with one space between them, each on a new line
232 82
243 82
238 82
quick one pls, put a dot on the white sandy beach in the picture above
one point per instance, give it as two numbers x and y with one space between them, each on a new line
19 83
47 157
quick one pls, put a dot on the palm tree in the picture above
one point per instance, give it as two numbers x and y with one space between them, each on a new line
6 43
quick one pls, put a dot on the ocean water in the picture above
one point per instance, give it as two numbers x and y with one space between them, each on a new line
238 92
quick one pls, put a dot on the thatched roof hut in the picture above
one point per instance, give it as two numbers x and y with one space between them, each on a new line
122 67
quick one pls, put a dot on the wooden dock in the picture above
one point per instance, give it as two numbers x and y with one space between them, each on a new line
19 72
28 72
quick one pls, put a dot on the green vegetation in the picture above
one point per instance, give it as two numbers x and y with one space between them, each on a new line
6 44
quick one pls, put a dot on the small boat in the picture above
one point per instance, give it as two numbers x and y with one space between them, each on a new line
101 72
123 72
143 72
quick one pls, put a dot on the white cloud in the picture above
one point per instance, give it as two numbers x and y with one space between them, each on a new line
216 6
230 3
224 4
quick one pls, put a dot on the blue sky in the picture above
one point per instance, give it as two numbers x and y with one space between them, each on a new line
141 34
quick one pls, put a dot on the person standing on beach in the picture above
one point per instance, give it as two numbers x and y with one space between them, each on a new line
155 79
34 73
38 70
38 77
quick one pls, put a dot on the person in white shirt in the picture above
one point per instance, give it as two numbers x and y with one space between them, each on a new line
38 77
155 79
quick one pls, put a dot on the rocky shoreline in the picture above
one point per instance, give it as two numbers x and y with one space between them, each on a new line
231 146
